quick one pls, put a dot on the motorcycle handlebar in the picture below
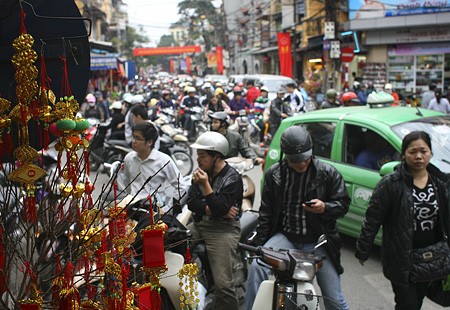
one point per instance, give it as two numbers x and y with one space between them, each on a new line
249 248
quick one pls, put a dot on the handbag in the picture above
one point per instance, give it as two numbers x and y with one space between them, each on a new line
430 263
439 291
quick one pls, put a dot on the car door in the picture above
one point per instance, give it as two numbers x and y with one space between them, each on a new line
361 153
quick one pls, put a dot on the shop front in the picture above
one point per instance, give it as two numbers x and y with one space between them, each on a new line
416 58
407 47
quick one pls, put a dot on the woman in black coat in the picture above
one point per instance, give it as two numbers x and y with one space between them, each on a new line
413 206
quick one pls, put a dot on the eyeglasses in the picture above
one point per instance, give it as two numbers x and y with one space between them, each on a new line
138 138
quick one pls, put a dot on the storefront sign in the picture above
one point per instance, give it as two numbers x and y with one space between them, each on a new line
408 36
419 49
360 9
103 63
169 50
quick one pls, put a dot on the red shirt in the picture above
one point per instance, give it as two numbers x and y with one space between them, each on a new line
252 94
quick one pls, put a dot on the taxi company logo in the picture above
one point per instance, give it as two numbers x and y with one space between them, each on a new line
361 196
273 154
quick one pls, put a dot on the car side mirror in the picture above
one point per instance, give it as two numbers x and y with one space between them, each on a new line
388 167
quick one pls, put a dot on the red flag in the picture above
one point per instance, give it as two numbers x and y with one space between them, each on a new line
172 66
188 65
219 59
284 52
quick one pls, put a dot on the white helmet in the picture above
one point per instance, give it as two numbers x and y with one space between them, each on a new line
137 99
116 105
212 141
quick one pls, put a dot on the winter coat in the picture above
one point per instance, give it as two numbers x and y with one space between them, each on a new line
391 205
326 184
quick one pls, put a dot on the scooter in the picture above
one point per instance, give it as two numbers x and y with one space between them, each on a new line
196 114
242 125
294 272
166 127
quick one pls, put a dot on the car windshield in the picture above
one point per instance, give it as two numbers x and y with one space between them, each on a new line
274 85
439 129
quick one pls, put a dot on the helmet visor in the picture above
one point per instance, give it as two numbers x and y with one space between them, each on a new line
299 157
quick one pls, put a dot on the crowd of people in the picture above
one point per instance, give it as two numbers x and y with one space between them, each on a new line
285 221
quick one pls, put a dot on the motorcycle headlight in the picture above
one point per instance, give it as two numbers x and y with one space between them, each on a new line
304 271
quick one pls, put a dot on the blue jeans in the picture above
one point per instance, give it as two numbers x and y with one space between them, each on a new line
327 277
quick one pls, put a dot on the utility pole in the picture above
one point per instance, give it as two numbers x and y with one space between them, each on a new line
332 60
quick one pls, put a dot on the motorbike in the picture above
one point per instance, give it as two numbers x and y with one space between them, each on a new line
294 272
103 150
196 114
242 125
165 123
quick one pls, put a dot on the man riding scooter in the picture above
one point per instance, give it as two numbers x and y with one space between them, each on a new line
219 123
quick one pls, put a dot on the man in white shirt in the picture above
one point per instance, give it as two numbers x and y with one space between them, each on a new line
145 168
297 103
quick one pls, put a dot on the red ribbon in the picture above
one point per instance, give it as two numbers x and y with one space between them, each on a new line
65 89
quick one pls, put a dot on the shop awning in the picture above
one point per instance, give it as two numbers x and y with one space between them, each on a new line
265 50
102 47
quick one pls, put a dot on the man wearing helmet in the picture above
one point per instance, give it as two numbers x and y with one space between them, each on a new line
219 123
238 103
286 221
331 100
188 102
165 101
215 197
349 99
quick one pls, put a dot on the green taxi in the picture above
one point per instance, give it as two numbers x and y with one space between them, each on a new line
341 135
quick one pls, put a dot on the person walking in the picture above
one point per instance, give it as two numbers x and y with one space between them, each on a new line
286 222
279 110
413 206
439 102
215 197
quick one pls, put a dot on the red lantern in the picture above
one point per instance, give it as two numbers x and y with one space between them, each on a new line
143 296
153 248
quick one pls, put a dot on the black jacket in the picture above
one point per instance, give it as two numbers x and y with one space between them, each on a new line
238 145
391 206
326 184
228 191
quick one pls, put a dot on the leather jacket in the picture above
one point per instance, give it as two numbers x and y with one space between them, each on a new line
238 145
391 206
326 184
228 191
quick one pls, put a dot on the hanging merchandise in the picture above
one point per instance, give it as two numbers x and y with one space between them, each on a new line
153 259
26 91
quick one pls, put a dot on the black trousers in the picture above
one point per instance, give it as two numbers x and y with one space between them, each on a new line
411 297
